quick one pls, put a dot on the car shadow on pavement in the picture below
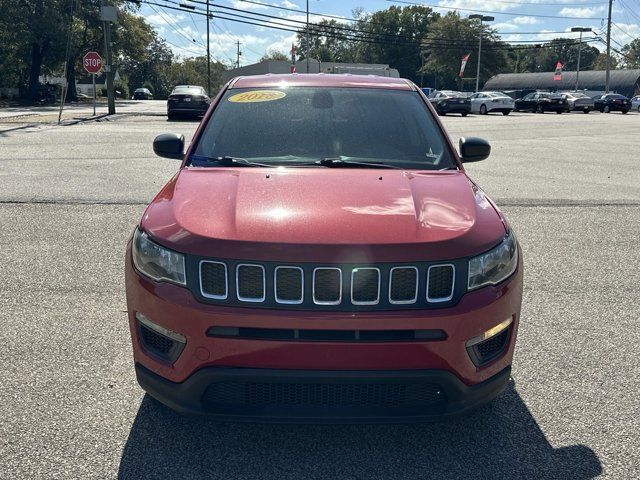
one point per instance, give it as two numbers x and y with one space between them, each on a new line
500 440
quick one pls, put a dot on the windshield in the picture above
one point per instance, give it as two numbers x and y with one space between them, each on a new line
301 125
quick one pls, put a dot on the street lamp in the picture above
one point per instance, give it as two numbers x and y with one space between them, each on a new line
482 18
579 29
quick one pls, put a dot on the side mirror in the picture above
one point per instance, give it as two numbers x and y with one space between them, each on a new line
474 149
169 145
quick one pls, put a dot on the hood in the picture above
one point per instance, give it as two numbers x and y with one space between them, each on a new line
313 214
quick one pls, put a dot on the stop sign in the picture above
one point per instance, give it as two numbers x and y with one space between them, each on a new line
92 62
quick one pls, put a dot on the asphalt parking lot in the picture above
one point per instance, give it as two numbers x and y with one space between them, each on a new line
69 403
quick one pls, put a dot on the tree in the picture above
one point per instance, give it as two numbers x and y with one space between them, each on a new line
394 37
329 41
273 54
36 30
452 37
631 52
600 62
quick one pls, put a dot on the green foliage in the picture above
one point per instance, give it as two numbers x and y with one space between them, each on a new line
122 87
558 50
631 54
452 37
273 54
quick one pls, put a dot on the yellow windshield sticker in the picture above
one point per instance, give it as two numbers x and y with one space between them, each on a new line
257 96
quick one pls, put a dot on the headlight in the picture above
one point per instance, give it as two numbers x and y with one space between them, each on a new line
494 266
155 261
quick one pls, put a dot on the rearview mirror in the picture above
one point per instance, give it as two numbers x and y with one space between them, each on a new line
474 149
169 145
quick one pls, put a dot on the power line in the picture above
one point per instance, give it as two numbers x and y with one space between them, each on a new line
522 14
318 29
432 43
175 27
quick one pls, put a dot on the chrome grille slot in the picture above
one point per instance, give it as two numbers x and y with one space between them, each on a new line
250 283
213 280
403 285
440 283
289 285
365 286
327 286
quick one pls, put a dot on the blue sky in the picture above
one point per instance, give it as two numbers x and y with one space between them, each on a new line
515 20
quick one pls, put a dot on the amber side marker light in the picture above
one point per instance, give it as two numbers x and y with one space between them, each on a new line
492 332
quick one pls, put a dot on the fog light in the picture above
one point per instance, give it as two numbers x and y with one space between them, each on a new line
158 341
491 345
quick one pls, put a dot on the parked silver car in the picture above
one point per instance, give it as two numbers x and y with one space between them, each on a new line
579 101
485 102
635 103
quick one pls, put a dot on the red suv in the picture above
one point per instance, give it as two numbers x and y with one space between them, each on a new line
321 255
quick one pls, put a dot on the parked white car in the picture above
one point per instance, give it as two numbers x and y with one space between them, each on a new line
635 103
485 102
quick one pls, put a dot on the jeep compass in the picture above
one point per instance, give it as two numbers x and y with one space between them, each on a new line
322 256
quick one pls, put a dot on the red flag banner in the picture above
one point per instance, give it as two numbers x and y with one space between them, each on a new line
465 59
557 75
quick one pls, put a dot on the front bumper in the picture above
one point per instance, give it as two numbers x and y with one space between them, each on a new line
265 395
204 359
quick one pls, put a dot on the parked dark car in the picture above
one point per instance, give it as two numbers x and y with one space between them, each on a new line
142 94
448 101
187 100
612 102
541 102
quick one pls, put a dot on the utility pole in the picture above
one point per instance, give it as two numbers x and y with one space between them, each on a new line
238 54
579 29
208 54
306 53
108 14
608 48
482 18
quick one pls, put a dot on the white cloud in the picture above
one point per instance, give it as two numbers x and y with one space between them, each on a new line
248 6
581 11
525 20
496 6
288 4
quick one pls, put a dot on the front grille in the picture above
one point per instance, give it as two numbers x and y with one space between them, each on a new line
365 286
250 283
440 283
354 287
320 394
213 279
403 285
289 285
327 286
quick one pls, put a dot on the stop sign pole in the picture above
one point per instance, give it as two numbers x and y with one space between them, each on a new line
92 63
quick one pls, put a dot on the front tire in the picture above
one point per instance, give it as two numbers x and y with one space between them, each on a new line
483 109
506 112
559 112
586 110
624 112
539 109
606 109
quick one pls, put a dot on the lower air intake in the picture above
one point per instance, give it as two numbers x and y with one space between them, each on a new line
265 394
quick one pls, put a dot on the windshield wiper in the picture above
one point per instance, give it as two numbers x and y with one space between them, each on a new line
227 161
333 162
